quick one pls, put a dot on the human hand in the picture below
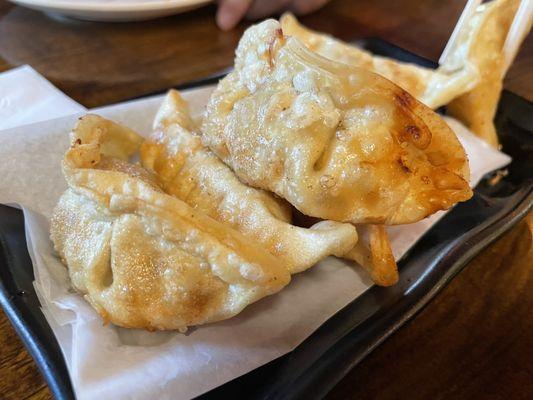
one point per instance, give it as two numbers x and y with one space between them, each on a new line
230 12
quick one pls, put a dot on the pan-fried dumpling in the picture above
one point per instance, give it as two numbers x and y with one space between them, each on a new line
142 258
434 88
469 81
483 42
374 253
336 141
192 173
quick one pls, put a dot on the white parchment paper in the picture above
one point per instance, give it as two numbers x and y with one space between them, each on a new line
26 97
107 362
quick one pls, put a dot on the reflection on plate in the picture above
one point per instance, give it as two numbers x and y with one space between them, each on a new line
113 10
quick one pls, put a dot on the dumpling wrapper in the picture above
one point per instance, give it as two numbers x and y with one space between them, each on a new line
187 170
432 87
192 173
374 253
142 258
338 142
483 43
469 82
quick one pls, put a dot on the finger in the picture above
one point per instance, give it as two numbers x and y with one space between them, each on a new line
230 12
301 7
262 9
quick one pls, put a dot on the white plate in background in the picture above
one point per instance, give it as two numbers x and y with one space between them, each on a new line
112 10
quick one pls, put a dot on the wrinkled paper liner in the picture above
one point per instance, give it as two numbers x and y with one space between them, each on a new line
112 362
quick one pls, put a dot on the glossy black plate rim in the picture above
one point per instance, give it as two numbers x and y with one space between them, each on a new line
21 305
352 348
349 350
344 349
325 357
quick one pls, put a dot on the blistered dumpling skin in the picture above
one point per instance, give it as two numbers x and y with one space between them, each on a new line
433 87
469 81
189 171
338 142
142 258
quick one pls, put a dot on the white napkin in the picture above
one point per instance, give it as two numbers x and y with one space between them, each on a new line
26 97
113 363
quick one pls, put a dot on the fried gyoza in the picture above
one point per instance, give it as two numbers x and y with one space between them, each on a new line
374 253
143 258
338 142
469 81
434 88
483 42
192 173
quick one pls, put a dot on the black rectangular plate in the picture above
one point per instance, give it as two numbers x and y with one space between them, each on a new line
314 367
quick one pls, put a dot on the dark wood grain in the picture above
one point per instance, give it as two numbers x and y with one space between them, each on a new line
19 376
475 340
99 63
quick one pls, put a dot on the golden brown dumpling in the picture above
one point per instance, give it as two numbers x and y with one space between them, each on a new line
482 42
374 253
338 142
469 81
189 171
142 258
432 87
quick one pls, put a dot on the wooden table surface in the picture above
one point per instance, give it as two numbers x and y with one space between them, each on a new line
475 340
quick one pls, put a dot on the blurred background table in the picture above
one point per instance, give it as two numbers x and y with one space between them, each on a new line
475 340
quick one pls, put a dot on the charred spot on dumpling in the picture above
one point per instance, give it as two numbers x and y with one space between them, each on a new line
414 131
403 166
272 46
420 138
404 99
